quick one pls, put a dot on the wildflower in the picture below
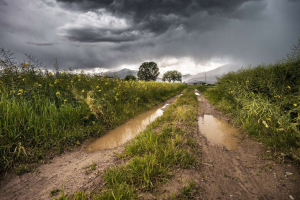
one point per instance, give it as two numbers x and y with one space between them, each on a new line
295 104
2 61
24 79
99 90
50 85
50 74
19 94
62 105
265 123
57 93
63 71
82 90
65 100
79 79
289 87
55 57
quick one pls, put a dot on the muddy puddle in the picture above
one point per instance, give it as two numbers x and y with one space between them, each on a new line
127 131
219 132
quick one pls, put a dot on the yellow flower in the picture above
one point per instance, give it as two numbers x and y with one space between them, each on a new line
55 57
72 81
65 100
289 87
295 104
24 79
63 71
50 85
50 74
82 90
57 93
19 76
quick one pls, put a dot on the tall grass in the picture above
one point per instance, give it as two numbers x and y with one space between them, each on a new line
41 109
266 100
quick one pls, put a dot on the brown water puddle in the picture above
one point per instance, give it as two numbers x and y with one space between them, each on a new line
219 132
127 131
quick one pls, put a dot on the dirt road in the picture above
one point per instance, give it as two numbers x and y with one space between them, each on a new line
71 169
244 173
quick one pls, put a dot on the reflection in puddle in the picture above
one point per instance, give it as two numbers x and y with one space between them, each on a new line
127 131
218 132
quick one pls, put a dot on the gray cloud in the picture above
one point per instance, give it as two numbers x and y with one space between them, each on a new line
3 3
154 17
89 34
40 44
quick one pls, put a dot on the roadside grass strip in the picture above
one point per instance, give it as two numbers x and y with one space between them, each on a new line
152 157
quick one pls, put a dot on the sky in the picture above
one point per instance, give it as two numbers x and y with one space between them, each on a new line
190 36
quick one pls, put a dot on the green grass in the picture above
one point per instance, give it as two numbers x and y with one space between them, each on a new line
153 155
44 110
265 100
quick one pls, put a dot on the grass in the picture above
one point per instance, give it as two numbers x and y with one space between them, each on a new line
43 110
265 101
152 157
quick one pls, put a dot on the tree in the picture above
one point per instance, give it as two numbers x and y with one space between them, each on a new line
172 76
148 71
130 77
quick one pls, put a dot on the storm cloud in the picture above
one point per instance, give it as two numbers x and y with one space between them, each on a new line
190 36
152 17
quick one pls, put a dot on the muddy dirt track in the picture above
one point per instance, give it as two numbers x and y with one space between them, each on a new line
243 173
71 169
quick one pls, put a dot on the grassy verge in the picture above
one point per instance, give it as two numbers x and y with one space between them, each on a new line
265 100
167 144
42 110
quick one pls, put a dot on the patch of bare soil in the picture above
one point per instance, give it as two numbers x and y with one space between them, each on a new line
71 169
245 173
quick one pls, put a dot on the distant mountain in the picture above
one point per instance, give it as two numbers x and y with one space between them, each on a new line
212 74
121 73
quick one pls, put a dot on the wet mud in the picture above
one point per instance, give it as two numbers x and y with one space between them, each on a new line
127 131
219 132
237 166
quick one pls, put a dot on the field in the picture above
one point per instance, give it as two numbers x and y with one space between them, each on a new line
265 101
44 110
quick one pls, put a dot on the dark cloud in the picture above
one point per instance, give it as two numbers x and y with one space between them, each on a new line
153 16
3 3
40 44
92 35
108 34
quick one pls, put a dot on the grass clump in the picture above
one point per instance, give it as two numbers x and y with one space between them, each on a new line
42 110
153 155
265 100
